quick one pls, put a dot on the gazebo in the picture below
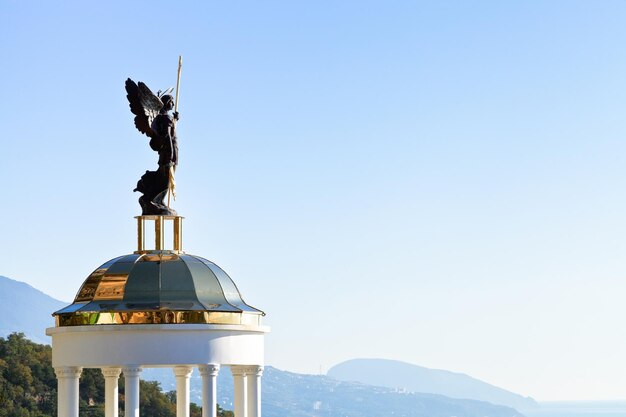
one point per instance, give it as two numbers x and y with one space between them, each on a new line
159 307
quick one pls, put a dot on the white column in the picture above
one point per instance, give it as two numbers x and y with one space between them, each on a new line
241 397
209 389
131 390
183 373
111 401
68 396
253 377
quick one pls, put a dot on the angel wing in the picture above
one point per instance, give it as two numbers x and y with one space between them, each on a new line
144 105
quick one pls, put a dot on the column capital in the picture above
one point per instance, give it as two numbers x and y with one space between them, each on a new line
253 370
209 369
68 371
111 372
238 370
132 370
184 371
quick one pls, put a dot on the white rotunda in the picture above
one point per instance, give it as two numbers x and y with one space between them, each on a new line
159 307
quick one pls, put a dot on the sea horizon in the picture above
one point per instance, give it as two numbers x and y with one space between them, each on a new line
579 408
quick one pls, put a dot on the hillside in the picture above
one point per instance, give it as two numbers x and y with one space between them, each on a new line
296 395
413 378
25 309
287 394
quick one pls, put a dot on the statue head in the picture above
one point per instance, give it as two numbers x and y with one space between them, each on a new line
168 102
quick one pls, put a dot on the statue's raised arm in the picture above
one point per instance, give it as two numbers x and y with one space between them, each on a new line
153 119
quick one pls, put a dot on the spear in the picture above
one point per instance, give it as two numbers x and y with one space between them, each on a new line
180 66
171 189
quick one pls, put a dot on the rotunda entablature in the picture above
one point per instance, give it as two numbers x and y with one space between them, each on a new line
157 345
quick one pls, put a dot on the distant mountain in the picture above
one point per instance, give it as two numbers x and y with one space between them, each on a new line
26 309
413 378
287 394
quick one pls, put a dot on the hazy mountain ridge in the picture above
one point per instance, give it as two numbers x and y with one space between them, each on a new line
317 395
25 309
288 394
414 378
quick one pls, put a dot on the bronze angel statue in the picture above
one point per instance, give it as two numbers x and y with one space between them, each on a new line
152 118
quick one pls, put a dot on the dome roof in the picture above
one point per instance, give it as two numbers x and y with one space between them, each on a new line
156 287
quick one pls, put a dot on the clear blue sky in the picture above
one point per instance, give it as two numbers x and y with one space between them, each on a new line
442 183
